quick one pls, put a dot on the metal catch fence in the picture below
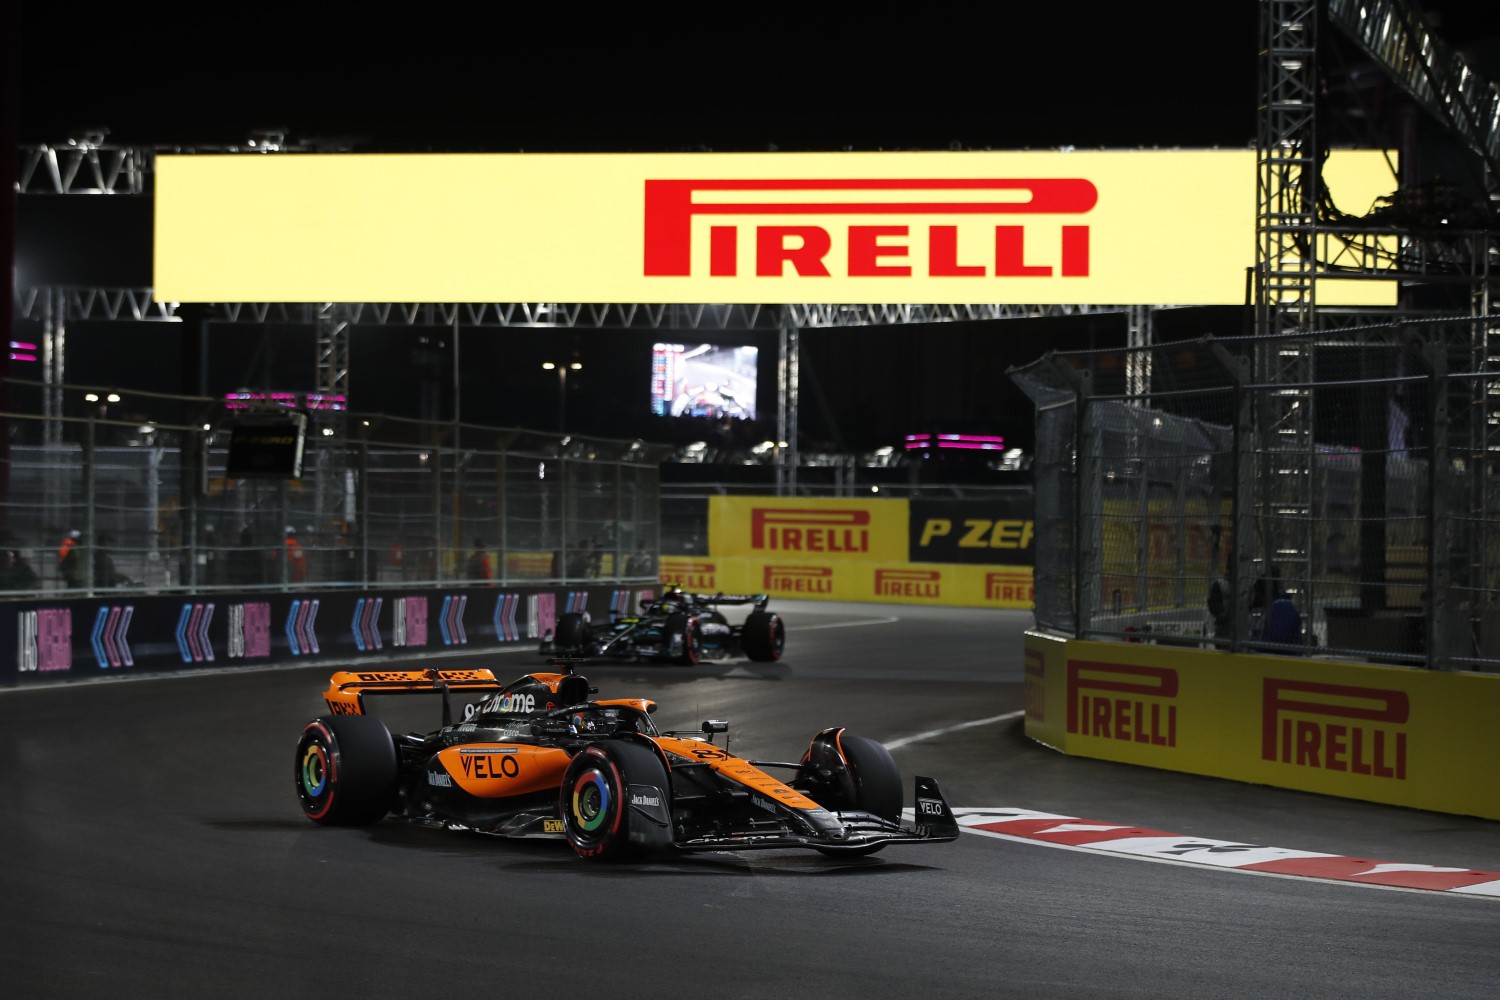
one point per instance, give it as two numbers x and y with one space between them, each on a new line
1327 494
153 506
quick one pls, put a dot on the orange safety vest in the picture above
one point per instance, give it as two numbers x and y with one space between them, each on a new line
296 561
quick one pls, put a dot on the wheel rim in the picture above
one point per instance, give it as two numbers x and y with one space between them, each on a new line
590 802
314 771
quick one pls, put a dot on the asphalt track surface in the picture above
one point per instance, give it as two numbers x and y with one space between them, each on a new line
152 847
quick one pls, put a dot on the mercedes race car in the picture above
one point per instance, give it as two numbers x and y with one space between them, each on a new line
538 758
677 627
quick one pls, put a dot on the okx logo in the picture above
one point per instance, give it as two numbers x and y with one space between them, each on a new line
804 224
1335 727
1119 701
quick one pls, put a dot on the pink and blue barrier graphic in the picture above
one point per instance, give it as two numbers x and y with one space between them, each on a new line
192 633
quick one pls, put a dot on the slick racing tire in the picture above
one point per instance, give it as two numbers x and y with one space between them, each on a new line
692 639
877 784
346 770
570 634
595 801
763 636
877 779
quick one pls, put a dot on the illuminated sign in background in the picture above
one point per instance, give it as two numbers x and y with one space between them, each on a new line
1096 227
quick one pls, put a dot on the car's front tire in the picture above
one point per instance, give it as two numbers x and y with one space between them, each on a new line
595 801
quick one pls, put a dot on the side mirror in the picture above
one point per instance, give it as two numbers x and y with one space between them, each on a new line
715 726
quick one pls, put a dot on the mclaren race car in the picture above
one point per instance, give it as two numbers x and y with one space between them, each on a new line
677 627
539 758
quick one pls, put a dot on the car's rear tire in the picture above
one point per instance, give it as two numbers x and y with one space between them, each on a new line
692 644
346 770
594 801
763 636
571 632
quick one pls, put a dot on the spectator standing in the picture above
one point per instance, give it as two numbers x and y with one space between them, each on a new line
213 573
105 572
296 558
16 572
479 563
1281 622
69 566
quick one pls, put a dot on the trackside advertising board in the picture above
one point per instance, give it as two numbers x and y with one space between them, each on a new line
969 554
1417 738
1091 227
117 635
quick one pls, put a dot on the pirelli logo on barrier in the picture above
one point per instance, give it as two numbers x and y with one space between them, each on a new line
812 529
812 580
690 574
795 235
1010 585
922 583
1335 727
1124 702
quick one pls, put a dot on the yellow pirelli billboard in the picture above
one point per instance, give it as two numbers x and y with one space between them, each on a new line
960 553
1092 227
1395 735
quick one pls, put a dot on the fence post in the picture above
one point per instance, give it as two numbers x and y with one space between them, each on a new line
362 504
1237 367
90 519
1433 357
1087 495
501 466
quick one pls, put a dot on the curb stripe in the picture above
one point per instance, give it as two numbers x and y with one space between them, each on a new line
1073 833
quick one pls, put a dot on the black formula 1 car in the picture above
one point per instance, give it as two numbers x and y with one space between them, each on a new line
677 627
538 758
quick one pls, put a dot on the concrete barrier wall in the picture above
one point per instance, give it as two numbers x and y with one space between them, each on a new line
1408 737
74 638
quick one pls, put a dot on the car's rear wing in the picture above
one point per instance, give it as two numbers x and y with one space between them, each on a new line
347 689
759 600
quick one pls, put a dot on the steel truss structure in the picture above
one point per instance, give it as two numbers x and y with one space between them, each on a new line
1301 239
55 306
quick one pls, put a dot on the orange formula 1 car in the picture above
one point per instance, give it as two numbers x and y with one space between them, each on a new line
538 758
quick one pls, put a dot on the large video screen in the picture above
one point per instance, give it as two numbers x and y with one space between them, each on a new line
704 380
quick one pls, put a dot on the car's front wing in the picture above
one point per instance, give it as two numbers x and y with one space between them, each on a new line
853 831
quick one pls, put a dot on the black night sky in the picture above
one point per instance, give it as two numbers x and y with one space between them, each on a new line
642 78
